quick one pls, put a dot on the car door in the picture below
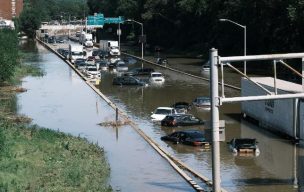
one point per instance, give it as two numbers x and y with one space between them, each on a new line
184 120
132 81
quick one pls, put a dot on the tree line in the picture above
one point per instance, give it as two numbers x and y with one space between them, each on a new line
36 11
193 25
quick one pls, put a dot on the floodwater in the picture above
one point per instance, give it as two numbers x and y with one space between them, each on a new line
61 100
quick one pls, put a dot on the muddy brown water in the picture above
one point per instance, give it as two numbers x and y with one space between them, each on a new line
61 100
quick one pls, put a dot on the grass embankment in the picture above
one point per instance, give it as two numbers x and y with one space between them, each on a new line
37 159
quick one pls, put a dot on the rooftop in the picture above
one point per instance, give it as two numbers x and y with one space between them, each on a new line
281 84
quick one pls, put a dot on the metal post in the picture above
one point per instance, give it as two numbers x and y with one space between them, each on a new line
295 117
142 46
245 49
223 84
295 167
119 36
215 120
303 73
116 119
275 76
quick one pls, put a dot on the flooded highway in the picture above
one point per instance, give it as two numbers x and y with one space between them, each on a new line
61 101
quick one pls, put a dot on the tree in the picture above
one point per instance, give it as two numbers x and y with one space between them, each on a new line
29 21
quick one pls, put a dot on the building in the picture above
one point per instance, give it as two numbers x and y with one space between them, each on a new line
10 9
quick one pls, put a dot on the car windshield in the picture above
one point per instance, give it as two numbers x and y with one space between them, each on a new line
121 65
157 75
245 141
76 53
163 111
203 100
92 69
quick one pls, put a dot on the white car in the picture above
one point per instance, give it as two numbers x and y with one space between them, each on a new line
161 112
157 77
92 72
121 66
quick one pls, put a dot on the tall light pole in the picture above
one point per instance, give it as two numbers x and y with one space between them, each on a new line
244 27
142 40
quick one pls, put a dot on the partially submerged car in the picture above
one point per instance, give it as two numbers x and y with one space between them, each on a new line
245 146
157 78
203 102
181 120
188 137
161 112
121 66
92 72
182 107
161 61
128 80
140 71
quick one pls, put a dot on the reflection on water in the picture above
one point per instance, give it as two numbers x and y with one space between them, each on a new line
62 101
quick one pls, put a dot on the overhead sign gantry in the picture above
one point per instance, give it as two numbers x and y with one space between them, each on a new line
98 20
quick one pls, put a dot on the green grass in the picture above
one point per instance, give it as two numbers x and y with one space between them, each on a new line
36 159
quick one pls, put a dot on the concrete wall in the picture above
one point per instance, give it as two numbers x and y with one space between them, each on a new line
276 115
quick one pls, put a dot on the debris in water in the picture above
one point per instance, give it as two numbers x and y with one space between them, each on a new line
114 123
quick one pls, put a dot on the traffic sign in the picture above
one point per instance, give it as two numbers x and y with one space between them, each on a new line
98 20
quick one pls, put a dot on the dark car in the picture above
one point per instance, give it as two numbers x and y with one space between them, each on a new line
51 39
80 63
181 120
140 71
188 137
182 107
128 80
161 61
244 145
103 54
96 52
65 53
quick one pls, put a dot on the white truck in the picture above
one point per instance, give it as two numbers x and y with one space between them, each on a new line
109 46
86 39
75 52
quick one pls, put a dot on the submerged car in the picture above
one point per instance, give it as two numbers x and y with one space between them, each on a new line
161 61
127 80
181 120
156 77
92 72
140 71
103 65
161 112
244 146
203 102
182 107
121 66
188 137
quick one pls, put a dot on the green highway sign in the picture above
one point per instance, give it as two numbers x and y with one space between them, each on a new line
98 20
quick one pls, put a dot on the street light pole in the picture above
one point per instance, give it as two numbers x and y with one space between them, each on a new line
245 39
142 40
119 33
